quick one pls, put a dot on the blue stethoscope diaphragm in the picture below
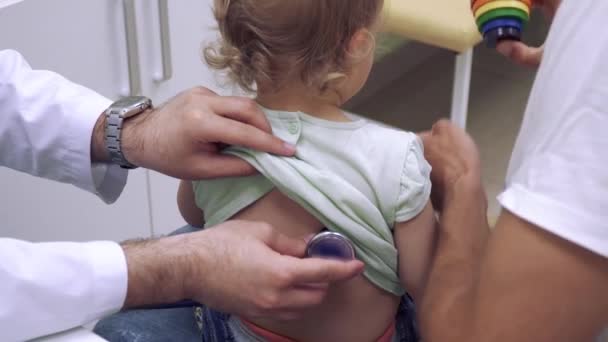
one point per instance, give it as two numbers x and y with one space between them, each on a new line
330 245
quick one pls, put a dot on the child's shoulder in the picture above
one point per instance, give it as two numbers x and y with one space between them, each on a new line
389 137
396 157
382 129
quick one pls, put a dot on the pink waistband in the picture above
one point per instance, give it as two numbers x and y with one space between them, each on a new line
272 337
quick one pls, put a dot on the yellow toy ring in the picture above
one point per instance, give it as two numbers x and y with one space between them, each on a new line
476 4
502 4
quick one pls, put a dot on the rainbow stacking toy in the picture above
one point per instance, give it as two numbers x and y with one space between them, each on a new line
501 19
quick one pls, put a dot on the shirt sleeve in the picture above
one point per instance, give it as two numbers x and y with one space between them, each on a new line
558 176
46 126
415 188
51 287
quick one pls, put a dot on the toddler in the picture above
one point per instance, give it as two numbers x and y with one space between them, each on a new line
304 59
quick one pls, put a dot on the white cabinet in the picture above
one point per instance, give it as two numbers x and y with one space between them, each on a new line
190 26
86 41
82 40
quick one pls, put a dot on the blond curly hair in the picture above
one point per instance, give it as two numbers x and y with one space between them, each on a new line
272 41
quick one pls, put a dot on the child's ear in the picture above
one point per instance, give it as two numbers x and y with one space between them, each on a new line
361 44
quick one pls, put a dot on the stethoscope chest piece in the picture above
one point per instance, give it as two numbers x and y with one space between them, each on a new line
330 245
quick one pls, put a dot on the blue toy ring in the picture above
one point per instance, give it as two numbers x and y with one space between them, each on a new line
496 23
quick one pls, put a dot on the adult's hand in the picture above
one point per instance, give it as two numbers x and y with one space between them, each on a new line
183 138
239 267
521 53
454 158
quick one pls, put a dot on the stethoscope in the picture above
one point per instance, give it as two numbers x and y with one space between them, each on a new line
326 244
330 245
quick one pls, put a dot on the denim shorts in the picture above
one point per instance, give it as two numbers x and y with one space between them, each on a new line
220 327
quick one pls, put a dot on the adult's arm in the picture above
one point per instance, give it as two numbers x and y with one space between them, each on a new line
46 125
528 285
521 283
239 267
446 309
540 275
53 128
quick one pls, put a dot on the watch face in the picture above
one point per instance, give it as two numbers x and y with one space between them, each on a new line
129 101
132 105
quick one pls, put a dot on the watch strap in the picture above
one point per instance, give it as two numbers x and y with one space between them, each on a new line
114 122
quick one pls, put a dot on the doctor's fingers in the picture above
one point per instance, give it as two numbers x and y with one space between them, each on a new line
240 109
204 104
302 272
233 132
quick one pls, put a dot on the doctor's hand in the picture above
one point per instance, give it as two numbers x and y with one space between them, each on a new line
183 138
521 53
238 267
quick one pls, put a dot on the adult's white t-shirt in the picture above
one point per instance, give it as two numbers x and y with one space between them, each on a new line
558 174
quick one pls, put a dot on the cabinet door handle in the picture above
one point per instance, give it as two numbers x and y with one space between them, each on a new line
165 41
132 47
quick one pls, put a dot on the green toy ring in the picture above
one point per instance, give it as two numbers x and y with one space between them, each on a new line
502 13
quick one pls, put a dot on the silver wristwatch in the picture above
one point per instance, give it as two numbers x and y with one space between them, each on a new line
115 116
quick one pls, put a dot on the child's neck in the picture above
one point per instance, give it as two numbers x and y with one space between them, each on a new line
294 99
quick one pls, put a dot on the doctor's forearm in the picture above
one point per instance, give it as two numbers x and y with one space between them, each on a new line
156 271
447 309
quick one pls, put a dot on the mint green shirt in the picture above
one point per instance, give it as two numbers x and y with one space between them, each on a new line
358 178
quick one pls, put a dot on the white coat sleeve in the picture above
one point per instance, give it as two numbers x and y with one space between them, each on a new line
50 287
46 125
